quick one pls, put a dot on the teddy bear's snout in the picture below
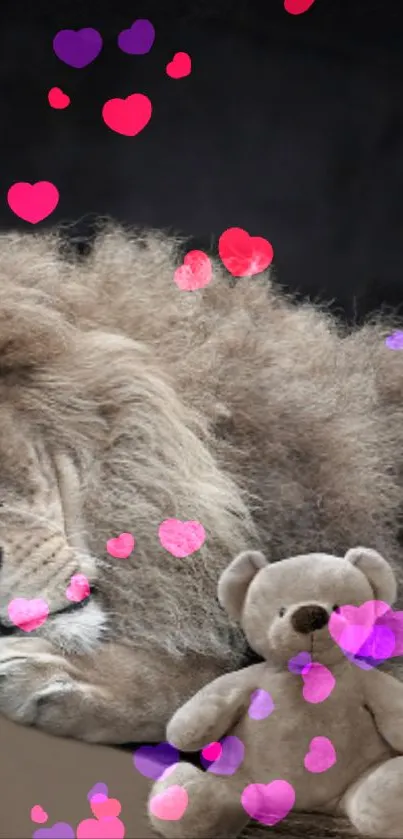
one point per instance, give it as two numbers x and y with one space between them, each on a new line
309 618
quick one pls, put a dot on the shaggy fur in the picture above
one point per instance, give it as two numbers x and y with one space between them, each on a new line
123 402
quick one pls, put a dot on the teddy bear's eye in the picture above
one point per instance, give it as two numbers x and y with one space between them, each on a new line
282 612
336 608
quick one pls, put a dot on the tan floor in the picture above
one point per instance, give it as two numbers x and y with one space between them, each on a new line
58 774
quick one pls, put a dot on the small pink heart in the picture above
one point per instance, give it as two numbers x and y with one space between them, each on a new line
27 614
105 807
318 683
268 803
103 829
212 752
78 589
57 99
121 547
350 626
321 755
170 804
38 814
180 66
196 271
181 538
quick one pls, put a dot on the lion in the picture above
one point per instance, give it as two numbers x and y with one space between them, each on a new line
125 402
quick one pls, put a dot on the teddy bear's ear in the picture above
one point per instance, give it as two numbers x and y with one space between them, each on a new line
377 571
235 580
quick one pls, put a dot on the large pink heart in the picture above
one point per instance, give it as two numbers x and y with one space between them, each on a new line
27 614
181 538
109 828
350 626
268 803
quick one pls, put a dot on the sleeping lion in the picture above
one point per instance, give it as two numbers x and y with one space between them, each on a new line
125 402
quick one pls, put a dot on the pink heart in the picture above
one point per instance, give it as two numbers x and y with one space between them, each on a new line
38 814
196 271
180 66
181 538
268 803
170 804
321 755
103 829
78 589
318 683
106 807
33 202
121 547
350 626
27 614
127 116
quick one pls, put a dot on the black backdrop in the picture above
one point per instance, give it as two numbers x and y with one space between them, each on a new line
289 126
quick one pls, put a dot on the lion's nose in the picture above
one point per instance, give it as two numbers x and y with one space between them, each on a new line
309 618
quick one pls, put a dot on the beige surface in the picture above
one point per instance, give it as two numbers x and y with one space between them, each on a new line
57 774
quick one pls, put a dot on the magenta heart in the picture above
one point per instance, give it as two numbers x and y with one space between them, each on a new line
268 803
230 759
321 755
60 830
110 828
318 683
122 546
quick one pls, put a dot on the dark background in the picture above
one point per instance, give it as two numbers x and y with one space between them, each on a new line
289 126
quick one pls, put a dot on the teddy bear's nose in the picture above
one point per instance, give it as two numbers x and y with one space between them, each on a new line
308 618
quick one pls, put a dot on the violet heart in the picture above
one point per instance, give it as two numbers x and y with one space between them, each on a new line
299 663
60 830
261 705
395 340
139 39
98 789
152 761
77 48
230 759
378 647
350 626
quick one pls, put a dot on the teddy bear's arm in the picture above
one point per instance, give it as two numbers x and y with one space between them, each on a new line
383 694
211 712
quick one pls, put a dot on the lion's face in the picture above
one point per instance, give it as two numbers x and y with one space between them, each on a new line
41 538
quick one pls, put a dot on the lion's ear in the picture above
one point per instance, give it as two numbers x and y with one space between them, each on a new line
30 336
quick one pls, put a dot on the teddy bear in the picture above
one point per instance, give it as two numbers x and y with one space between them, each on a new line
305 729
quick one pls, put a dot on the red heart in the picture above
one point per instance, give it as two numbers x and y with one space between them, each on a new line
58 99
33 202
297 7
180 66
196 271
109 807
127 116
244 255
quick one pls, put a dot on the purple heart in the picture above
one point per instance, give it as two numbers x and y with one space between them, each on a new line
152 761
395 340
77 48
378 647
138 39
231 757
261 705
299 663
98 789
60 830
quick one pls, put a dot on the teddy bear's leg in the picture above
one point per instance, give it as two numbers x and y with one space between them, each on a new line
186 803
374 804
